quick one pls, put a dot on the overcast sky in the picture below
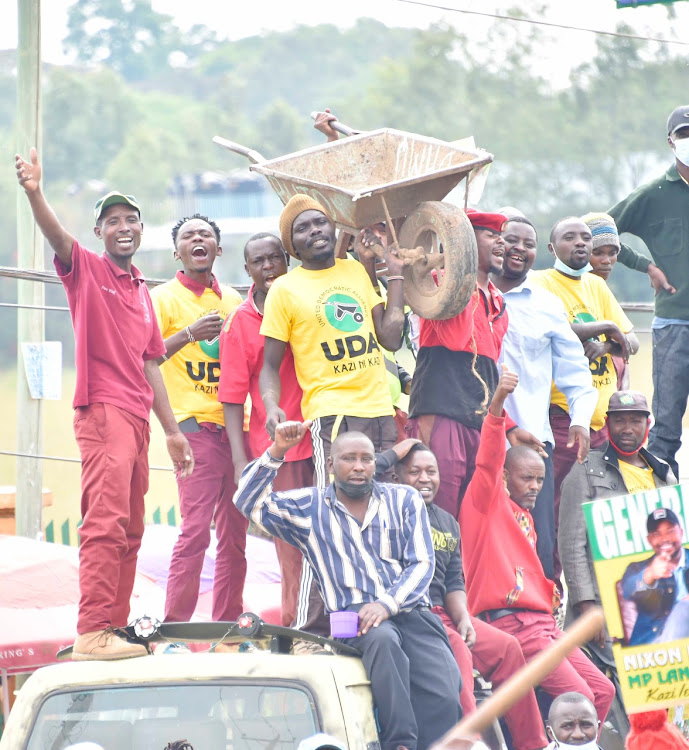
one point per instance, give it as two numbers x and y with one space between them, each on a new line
234 20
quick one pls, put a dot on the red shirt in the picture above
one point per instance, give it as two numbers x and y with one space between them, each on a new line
447 380
484 319
241 361
501 566
115 330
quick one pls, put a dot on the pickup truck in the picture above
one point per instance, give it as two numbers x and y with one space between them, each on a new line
263 699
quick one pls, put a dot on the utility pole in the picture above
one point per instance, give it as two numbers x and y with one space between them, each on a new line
30 322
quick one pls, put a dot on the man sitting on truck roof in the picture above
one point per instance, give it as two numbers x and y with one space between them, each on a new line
370 548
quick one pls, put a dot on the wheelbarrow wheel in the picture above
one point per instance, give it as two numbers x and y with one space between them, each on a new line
439 228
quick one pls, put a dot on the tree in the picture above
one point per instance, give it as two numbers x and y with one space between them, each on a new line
130 37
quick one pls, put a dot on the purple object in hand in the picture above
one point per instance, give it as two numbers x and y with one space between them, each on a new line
344 624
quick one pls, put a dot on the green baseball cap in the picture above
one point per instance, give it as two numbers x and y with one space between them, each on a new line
112 199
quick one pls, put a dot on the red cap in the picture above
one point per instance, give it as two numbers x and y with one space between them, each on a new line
480 220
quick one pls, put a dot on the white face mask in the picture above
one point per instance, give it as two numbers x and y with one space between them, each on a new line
560 266
682 150
593 745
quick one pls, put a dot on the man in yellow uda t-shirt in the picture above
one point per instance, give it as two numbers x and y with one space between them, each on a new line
191 310
336 326
599 322
620 466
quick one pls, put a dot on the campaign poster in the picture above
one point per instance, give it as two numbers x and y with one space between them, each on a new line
640 555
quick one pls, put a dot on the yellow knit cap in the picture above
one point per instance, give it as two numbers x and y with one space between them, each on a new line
296 205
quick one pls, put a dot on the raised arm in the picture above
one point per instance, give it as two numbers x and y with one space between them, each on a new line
29 177
269 383
388 319
281 514
490 458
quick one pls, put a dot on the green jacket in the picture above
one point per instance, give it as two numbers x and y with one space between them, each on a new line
658 213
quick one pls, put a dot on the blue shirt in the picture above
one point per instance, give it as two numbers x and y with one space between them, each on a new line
541 347
387 559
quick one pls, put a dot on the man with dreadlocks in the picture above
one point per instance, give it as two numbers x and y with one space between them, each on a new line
191 309
456 372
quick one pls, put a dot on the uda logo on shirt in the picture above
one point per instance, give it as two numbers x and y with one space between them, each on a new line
343 312
211 348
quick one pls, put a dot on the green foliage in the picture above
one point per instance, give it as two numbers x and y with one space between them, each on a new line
148 98
87 116
130 38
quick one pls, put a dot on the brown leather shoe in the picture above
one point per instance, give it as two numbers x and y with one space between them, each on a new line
104 645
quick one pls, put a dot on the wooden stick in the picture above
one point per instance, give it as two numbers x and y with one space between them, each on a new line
530 675
389 220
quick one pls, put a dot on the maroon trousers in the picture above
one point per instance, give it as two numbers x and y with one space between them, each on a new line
535 631
496 656
292 475
203 496
114 479
455 447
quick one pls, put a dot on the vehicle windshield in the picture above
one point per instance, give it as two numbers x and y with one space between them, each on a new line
219 716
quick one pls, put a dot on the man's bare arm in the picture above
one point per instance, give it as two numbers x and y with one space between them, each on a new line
177 445
269 382
29 177
234 427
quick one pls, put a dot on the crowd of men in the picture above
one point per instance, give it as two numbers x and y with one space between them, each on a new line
278 410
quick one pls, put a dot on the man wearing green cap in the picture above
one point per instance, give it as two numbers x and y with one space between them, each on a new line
118 382
335 324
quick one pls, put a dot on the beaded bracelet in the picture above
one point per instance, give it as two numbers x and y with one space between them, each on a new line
190 335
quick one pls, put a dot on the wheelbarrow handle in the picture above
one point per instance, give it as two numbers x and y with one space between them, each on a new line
253 156
339 126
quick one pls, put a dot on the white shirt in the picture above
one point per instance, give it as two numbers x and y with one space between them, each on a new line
541 347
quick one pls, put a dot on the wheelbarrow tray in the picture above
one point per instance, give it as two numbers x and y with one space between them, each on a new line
349 176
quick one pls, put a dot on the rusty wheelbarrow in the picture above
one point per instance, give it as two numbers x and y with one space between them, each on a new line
400 178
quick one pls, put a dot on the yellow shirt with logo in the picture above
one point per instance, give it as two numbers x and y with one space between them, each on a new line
637 478
326 318
192 374
587 300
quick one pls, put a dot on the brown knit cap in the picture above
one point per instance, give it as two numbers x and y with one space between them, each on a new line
296 205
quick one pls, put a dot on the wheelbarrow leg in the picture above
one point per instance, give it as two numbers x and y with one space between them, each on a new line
343 240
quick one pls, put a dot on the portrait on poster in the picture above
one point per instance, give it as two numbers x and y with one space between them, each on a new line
641 557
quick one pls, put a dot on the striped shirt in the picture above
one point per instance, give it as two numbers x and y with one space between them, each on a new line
387 559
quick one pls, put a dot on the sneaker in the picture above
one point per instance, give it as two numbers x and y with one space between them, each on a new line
304 648
105 645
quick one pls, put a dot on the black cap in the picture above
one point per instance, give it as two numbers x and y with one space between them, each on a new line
658 516
678 119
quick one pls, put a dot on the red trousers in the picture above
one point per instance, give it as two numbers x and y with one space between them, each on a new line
455 447
114 479
535 631
204 496
292 475
496 656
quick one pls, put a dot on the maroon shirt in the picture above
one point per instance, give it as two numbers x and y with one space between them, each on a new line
241 361
115 330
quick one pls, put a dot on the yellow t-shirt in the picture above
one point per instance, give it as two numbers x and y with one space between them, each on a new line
326 318
191 376
637 478
587 300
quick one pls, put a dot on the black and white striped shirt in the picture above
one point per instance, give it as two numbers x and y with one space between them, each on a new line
387 559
